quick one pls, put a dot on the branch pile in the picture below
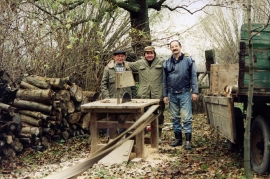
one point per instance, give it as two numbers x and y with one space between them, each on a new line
43 110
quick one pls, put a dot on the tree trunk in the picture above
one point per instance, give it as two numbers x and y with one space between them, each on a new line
140 33
40 96
247 166
30 105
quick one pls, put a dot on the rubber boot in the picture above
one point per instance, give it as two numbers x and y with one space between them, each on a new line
159 135
188 141
178 137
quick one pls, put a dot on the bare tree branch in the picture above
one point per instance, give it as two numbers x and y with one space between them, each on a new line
185 7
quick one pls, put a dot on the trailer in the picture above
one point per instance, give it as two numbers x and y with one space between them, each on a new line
226 103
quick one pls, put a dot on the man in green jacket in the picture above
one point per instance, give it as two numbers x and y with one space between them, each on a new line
150 71
108 86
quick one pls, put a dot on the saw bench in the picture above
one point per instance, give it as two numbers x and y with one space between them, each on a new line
131 110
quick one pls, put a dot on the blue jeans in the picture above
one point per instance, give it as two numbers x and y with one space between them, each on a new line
181 108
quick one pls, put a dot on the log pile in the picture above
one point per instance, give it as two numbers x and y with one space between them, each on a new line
43 110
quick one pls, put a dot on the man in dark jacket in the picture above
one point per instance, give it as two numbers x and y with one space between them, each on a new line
180 86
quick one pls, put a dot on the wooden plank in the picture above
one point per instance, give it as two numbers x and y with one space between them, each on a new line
220 115
94 133
222 75
124 79
119 154
112 104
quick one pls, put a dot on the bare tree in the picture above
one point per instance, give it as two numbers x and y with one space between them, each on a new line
221 28
55 39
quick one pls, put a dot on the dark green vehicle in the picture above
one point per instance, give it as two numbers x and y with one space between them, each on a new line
226 104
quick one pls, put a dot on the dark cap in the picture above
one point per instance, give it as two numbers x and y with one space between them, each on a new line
149 49
116 52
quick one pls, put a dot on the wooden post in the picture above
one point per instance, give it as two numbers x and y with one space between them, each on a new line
210 59
118 86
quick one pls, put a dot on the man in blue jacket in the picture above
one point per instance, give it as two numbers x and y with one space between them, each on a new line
180 86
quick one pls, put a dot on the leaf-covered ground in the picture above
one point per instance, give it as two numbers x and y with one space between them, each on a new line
209 158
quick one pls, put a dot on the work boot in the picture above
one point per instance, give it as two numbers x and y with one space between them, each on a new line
188 141
159 135
178 137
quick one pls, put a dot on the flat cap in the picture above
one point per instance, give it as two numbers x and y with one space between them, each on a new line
116 52
149 49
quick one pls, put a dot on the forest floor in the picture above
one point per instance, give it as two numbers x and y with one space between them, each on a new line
209 158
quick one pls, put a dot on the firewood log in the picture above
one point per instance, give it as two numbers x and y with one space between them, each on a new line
85 121
8 151
91 95
70 106
7 138
37 131
17 145
45 117
36 115
54 82
74 117
17 119
7 108
25 140
57 112
37 141
46 141
76 92
47 131
41 96
6 126
65 135
62 95
34 106
31 120
77 106
25 85
67 80
36 82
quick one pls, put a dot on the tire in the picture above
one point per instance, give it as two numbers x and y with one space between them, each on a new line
259 138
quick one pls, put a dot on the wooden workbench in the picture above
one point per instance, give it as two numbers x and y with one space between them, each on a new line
129 112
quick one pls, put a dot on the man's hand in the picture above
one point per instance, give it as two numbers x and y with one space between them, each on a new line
166 100
194 97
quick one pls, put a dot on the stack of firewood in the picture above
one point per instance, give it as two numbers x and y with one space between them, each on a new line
46 109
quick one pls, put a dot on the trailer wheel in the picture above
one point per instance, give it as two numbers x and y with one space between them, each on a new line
259 139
